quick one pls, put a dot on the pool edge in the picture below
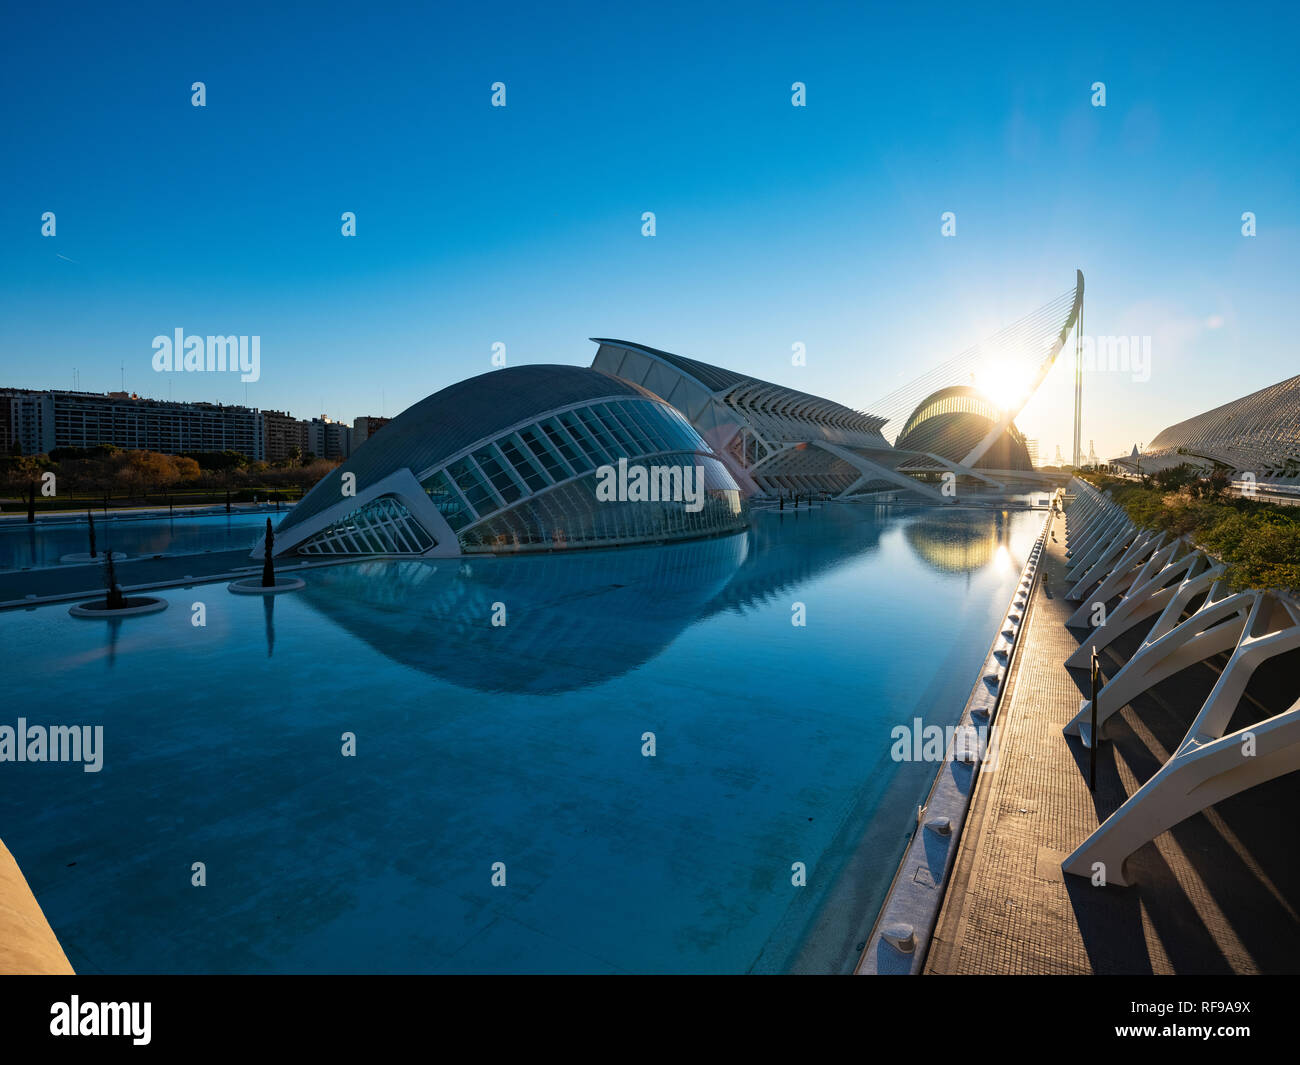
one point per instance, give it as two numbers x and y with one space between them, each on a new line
904 926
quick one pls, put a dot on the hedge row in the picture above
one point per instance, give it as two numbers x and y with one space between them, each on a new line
1259 542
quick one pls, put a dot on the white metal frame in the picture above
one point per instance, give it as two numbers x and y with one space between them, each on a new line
1210 764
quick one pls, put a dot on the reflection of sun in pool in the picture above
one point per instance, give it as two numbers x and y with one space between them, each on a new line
954 543
1002 559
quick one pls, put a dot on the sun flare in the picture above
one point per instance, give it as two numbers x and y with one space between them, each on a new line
1004 383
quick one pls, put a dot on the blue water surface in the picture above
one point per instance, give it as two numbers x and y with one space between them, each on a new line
44 543
519 744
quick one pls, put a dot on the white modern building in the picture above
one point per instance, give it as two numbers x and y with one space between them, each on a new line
510 461
1257 434
777 440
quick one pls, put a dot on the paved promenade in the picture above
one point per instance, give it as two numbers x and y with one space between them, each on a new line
1218 893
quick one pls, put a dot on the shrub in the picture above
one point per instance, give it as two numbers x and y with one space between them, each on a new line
1259 542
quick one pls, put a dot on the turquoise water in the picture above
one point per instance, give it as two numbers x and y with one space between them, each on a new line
43 544
519 744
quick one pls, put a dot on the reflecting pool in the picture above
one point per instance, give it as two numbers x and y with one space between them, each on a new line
518 743
44 543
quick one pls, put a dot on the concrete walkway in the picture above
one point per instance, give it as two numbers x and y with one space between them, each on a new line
1218 893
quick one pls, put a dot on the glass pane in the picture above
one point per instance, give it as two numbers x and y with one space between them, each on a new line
451 505
582 436
524 464
545 452
606 442
564 444
622 425
475 489
490 462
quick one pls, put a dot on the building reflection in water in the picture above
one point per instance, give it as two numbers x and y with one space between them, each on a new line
572 620
960 541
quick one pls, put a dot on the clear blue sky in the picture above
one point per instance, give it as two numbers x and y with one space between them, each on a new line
522 225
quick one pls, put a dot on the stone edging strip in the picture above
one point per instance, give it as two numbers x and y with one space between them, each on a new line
901 935
181 582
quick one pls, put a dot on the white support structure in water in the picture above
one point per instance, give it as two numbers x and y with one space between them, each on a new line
1210 764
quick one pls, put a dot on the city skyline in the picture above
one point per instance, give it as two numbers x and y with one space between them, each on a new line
44 422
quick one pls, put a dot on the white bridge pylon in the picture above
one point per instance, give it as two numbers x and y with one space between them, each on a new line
1040 373
1210 764
1028 348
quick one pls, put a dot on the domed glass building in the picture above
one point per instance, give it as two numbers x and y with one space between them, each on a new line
512 460
953 420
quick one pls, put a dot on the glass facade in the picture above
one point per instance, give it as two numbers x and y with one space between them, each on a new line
534 487
572 516
381 527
